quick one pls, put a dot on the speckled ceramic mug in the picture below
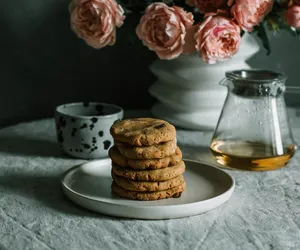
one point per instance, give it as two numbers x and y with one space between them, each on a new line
83 128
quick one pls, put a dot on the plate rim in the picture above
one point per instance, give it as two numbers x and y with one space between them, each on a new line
228 191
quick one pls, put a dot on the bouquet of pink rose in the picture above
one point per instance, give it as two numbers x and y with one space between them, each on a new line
171 28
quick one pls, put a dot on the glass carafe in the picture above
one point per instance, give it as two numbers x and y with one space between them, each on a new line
253 131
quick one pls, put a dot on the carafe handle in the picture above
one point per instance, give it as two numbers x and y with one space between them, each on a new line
224 82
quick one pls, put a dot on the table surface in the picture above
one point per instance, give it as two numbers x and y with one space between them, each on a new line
263 213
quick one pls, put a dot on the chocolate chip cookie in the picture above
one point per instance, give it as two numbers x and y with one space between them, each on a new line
147 186
143 131
122 161
147 196
156 151
150 175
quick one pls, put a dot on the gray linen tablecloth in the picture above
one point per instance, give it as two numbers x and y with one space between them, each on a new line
263 213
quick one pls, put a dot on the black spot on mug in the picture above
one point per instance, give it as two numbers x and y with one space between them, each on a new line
107 144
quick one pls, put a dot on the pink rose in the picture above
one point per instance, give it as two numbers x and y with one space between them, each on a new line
292 16
249 13
217 38
95 21
206 6
163 29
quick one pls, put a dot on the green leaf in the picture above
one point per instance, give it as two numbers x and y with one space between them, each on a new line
292 31
262 34
273 22
167 1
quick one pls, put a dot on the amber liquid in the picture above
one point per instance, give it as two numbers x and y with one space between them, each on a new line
250 155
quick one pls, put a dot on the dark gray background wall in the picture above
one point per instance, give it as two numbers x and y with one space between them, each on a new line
44 64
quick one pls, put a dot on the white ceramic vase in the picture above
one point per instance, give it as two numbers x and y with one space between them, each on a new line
188 91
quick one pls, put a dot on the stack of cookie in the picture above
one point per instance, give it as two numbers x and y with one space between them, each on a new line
146 162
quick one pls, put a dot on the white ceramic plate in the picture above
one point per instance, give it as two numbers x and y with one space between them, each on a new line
89 185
